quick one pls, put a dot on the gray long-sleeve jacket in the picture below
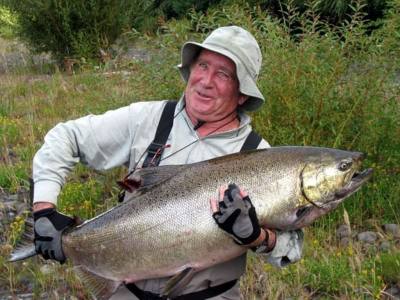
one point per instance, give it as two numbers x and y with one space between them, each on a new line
121 137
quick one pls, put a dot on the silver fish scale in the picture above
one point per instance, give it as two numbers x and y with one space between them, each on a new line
170 227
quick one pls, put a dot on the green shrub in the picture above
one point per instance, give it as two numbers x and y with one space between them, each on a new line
328 276
74 29
81 199
8 23
335 12
151 15
13 177
9 131
388 267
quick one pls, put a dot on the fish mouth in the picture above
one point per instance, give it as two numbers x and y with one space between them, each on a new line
307 214
354 184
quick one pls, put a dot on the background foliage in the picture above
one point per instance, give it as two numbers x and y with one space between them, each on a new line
83 29
8 23
78 28
333 11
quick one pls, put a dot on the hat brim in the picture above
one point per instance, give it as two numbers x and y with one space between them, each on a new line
247 85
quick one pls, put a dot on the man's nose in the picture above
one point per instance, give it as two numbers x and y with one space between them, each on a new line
207 79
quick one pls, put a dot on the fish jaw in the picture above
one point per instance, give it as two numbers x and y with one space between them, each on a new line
307 214
325 175
358 179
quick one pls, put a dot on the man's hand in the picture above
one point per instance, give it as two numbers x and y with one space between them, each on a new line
237 216
49 226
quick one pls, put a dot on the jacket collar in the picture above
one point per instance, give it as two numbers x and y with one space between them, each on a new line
244 121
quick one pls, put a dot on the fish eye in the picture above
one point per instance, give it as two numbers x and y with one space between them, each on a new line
345 165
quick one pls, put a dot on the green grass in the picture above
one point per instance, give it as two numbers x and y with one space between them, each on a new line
340 89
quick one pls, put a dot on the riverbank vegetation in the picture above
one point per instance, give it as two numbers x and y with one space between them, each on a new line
325 85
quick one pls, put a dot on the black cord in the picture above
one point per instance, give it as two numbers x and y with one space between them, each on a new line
199 124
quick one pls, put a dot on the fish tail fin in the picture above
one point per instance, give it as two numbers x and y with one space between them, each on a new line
22 252
101 288
25 247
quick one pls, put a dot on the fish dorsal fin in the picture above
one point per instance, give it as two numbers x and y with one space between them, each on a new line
177 283
100 287
152 176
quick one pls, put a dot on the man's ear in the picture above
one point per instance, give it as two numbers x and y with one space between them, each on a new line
242 99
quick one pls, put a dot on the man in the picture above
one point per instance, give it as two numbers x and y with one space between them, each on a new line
208 121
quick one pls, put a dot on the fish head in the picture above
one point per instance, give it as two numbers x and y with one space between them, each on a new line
326 180
324 176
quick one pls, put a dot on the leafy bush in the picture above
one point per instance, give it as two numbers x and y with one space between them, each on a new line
388 267
179 8
73 29
150 15
8 23
81 199
333 11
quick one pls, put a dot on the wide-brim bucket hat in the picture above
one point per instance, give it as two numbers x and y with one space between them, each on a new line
242 48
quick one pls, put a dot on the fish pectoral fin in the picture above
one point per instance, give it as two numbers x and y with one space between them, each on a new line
100 287
178 282
154 175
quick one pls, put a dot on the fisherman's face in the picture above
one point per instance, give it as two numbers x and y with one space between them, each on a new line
212 91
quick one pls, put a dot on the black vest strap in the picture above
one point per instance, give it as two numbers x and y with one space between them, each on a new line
200 295
252 141
156 148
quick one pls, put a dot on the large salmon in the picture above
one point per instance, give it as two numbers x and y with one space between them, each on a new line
167 227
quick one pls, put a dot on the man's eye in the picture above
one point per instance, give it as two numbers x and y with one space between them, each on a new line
202 65
223 76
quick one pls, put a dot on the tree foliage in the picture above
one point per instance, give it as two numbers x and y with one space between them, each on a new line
333 11
8 23
150 12
80 28
73 28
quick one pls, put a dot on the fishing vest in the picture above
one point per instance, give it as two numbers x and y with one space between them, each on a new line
156 148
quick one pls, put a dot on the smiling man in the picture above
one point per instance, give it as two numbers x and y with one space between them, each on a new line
212 92
208 121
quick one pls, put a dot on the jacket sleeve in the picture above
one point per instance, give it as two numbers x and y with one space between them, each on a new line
288 248
98 141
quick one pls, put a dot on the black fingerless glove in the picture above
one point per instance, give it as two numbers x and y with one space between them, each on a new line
48 227
237 216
